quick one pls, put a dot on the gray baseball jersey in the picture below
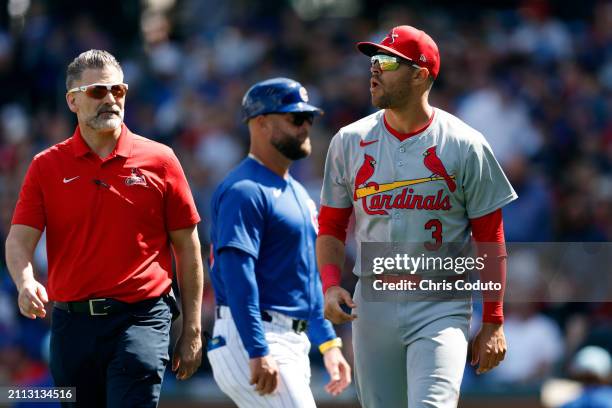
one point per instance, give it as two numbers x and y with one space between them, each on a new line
423 189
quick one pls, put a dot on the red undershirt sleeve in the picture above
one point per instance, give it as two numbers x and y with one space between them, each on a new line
334 222
488 232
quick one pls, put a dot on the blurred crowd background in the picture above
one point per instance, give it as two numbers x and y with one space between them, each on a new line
534 76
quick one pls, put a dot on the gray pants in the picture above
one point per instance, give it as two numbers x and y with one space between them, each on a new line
410 354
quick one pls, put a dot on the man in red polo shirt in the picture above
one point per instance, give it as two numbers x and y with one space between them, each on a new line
113 205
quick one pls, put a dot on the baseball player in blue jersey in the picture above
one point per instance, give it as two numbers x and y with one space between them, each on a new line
267 286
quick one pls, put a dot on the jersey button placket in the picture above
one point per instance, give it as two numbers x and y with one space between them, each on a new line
396 215
401 153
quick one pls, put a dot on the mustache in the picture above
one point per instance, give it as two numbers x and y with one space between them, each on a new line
106 108
303 134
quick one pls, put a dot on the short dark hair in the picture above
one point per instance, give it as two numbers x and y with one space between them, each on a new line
92 59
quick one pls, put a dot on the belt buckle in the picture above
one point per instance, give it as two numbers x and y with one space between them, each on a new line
92 312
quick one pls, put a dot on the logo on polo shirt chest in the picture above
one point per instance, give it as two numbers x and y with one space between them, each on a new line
136 178
68 180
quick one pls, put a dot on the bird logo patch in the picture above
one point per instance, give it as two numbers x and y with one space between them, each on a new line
365 172
434 164
136 178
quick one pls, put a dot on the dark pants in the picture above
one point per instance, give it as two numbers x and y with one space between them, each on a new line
116 360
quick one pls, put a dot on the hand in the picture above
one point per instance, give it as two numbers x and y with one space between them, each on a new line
264 374
338 370
32 298
334 297
488 347
187 355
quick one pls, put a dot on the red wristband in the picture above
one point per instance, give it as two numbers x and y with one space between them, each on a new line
493 312
330 276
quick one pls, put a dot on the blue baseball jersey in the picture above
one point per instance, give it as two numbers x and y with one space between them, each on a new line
274 221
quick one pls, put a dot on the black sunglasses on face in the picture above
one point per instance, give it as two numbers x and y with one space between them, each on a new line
300 117
297 118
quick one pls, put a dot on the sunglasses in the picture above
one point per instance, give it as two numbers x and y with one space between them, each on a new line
389 62
99 91
300 117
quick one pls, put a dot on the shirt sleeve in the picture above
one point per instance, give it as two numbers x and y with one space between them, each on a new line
238 273
484 182
241 209
335 191
320 330
180 209
30 209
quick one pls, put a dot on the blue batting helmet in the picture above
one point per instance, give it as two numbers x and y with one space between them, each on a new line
276 95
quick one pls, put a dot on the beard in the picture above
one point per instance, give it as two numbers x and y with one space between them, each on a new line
105 120
394 98
291 146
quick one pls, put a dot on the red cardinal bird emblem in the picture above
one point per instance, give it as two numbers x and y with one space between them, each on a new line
434 164
364 173
136 178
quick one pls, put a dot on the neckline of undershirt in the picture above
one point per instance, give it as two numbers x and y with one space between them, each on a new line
403 136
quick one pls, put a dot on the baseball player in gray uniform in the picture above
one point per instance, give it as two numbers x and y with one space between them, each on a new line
411 173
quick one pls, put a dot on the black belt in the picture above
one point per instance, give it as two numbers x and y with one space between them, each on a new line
298 325
98 307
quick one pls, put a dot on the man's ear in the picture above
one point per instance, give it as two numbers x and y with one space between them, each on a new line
71 101
262 122
422 75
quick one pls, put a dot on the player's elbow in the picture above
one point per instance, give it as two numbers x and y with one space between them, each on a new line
327 240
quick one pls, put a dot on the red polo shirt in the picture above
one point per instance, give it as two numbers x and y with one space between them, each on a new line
107 221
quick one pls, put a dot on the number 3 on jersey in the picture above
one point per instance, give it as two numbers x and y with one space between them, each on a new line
436 234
